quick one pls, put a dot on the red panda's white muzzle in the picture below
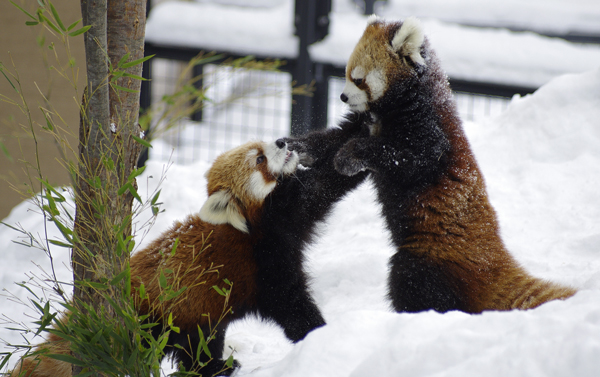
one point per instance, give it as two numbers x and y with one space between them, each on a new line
281 161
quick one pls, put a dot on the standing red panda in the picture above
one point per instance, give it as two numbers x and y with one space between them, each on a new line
260 214
449 254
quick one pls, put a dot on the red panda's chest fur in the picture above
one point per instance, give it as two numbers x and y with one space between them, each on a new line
206 255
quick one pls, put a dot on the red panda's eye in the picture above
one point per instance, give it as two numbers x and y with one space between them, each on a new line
358 82
260 160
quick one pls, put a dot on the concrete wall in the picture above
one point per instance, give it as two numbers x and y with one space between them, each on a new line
18 46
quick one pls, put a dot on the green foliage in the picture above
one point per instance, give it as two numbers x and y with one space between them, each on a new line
52 21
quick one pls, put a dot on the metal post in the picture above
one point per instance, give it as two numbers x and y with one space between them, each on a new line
312 23
197 72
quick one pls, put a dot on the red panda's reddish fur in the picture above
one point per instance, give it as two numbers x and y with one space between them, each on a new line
206 255
450 255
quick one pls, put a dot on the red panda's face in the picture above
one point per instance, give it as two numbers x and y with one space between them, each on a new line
385 54
243 177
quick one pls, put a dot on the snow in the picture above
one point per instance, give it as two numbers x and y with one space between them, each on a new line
483 55
545 16
541 160
213 26
500 56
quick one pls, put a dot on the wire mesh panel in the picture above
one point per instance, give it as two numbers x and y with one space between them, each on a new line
241 105
475 107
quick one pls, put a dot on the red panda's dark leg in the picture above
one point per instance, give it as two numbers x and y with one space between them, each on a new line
416 284
291 307
282 290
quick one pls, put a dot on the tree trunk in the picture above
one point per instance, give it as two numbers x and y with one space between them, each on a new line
107 151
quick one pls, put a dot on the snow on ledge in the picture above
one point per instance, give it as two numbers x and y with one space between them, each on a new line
267 32
467 53
544 16
474 54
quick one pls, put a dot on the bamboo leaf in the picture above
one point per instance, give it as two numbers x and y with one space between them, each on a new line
174 248
141 141
203 344
134 76
92 284
11 227
132 359
123 89
130 244
96 337
108 163
219 291
48 123
135 173
61 244
73 25
7 79
142 291
136 62
80 31
66 232
123 59
57 18
7 355
135 194
50 23
155 198
123 188
162 280
163 342
173 294
119 277
120 246
66 359
59 197
27 13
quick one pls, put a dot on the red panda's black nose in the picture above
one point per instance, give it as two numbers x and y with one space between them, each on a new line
344 97
280 143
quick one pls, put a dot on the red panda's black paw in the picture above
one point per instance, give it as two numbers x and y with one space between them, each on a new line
300 146
345 161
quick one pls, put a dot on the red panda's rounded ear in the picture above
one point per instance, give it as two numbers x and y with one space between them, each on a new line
220 208
408 40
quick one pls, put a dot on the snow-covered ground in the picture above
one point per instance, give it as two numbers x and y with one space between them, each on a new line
541 160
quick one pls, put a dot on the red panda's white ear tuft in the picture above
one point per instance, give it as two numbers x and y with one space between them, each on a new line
219 208
408 40
373 19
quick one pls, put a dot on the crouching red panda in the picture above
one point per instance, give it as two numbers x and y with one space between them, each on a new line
449 254
260 214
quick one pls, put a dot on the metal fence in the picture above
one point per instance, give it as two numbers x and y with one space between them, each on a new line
255 105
